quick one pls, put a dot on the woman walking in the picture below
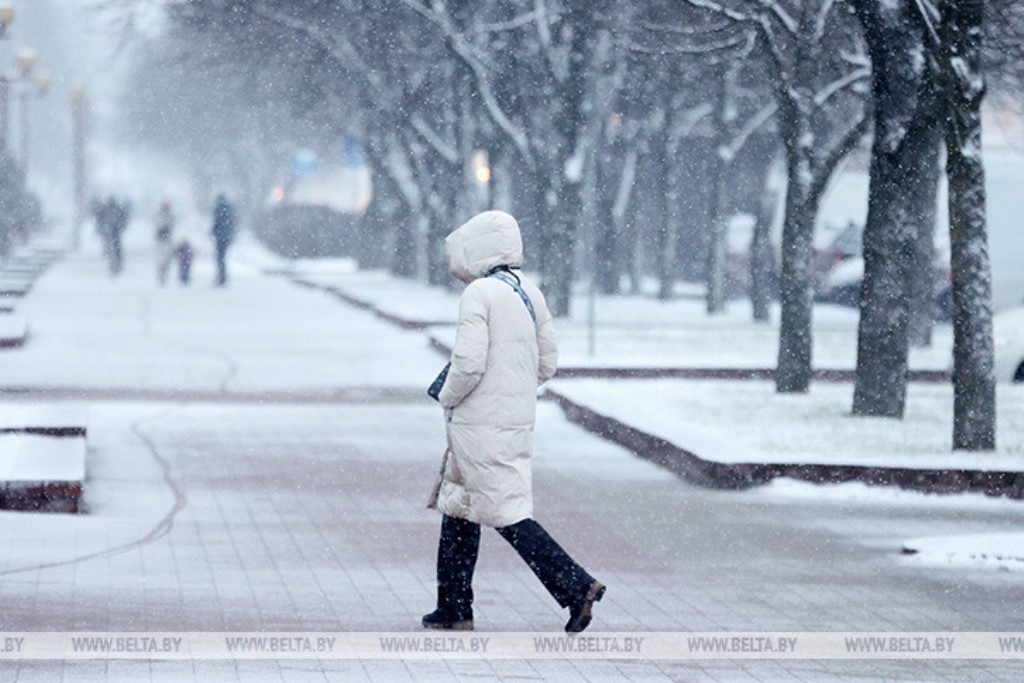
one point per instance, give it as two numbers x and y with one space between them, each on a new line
504 349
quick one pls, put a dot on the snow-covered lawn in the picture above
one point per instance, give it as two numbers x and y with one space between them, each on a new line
632 331
748 422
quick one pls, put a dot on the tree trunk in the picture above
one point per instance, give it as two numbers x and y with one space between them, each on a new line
762 262
903 86
558 221
718 227
793 372
570 124
717 237
974 404
924 276
606 256
666 200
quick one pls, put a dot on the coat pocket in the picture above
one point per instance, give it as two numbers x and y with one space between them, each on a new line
453 499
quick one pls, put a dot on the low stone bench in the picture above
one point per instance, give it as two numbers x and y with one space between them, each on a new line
41 473
13 331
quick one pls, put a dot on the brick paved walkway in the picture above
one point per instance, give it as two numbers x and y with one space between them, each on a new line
303 516
299 517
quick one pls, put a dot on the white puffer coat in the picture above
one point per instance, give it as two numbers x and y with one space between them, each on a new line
490 395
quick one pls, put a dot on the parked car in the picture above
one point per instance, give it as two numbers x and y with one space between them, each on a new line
840 246
839 269
841 283
1008 334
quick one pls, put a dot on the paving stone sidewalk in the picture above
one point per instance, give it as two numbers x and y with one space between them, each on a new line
302 516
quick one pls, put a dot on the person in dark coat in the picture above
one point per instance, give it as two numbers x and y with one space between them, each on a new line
224 228
101 215
112 219
184 254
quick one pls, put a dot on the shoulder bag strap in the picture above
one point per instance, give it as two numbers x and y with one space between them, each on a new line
510 280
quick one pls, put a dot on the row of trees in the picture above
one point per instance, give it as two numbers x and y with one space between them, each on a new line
652 122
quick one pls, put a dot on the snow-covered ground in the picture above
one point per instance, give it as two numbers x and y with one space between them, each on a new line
259 334
748 422
240 501
1001 551
634 331
950 536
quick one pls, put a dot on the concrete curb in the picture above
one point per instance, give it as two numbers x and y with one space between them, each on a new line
730 476
404 323
765 374
737 476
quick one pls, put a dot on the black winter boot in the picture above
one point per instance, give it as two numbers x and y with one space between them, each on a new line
444 620
580 610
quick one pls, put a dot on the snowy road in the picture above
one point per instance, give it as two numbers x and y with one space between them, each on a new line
261 498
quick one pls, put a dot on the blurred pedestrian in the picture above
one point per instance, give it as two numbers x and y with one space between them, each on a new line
224 229
504 349
163 224
111 221
120 214
101 216
184 253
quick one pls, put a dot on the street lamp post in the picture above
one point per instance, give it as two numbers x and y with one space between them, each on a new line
79 117
31 83
6 19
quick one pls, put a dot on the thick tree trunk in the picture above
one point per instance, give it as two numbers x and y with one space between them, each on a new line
570 209
570 124
974 405
556 220
903 86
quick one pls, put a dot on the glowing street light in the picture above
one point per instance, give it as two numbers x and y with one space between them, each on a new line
26 60
43 82
6 17
481 167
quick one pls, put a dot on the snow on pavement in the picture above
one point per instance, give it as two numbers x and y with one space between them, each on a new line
259 334
290 515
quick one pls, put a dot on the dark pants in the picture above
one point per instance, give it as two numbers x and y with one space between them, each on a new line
456 559
222 266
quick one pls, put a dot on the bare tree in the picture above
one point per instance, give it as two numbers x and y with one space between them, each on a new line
906 138
960 45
